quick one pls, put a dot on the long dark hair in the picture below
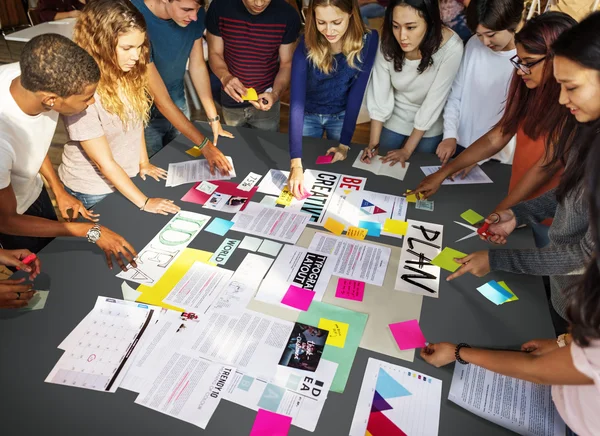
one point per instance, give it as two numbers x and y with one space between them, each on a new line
495 15
537 111
429 10
580 44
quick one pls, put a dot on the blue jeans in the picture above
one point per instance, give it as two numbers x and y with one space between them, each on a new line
159 131
317 124
389 139
371 10
88 200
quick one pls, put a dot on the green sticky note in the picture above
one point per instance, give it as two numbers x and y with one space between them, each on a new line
446 259
38 301
471 217
343 356
505 286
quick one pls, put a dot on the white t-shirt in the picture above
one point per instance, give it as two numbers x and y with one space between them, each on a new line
477 100
24 143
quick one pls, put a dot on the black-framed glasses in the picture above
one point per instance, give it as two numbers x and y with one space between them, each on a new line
526 68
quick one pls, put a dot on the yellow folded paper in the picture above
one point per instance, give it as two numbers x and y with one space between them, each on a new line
251 95
335 227
195 152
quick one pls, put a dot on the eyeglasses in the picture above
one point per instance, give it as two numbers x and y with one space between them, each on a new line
526 68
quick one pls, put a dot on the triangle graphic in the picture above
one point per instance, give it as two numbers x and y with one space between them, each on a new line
379 403
347 191
388 387
367 210
378 210
366 203
381 425
367 433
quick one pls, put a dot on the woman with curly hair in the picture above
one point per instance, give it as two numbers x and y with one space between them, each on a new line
107 145
412 77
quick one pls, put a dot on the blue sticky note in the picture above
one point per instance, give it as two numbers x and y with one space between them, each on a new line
373 228
494 292
219 226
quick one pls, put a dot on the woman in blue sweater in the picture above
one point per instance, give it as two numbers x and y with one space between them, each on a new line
330 71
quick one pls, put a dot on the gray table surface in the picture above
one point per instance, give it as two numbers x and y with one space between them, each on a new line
75 273
62 27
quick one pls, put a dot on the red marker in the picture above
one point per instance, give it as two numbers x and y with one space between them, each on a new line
29 259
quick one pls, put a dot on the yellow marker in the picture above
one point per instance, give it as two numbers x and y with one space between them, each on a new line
357 233
395 227
251 95
338 331
285 198
335 227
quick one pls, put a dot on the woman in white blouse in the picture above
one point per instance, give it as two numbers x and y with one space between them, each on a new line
412 77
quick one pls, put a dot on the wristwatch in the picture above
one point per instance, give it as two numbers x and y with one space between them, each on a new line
94 234
214 120
562 340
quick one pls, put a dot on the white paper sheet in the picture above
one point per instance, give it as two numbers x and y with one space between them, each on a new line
409 400
250 243
300 267
523 407
199 287
187 387
194 171
271 222
476 176
274 182
249 182
269 201
381 169
270 248
162 251
416 274
129 293
356 260
97 353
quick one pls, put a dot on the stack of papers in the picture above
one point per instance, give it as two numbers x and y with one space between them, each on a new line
195 171
382 169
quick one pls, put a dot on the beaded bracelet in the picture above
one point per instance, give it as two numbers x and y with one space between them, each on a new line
202 144
457 353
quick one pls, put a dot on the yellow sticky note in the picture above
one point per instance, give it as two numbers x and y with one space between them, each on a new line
251 95
505 286
195 152
335 227
471 217
396 227
412 198
356 233
285 198
338 331
155 294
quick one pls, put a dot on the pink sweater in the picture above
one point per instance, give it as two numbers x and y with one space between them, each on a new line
579 406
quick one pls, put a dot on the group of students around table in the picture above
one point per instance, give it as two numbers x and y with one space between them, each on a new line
531 96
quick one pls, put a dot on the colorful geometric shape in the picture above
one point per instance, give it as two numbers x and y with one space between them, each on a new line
381 425
366 203
379 403
388 387
378 210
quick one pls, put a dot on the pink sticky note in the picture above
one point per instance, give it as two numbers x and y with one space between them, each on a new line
305 195
408 334
270 424
298 298
350 289
325 159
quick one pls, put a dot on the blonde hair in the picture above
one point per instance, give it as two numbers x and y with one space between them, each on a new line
97 31
319 49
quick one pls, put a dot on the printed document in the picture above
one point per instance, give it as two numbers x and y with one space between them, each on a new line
476 176
192 171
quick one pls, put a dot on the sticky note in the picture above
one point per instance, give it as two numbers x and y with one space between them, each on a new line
298 298
285 198
270 247
395 227
495 293
505 286
224 252
335 227
350 289
251 95
324 159
411 198
373 228
129 293
37 302
338 331
194 152
356 233
251 244
269 201
471 217
219 226
446 258
271 424
305 195
206 187
408 334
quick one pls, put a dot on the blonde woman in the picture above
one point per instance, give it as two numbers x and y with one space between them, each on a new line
107 145
330 71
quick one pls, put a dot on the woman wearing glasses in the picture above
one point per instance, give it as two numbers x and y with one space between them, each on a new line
532 113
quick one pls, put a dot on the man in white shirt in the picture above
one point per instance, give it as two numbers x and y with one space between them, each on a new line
55 76
478 95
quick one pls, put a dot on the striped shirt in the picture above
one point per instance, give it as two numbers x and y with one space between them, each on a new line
251 42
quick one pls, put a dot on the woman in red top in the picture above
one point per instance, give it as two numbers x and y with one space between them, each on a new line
532 113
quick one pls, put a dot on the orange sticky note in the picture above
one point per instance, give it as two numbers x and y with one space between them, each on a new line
195 152
395 227
285 198
335 227
251 95
356 233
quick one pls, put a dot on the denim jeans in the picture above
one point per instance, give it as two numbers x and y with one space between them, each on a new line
254 118
393 140
159 131
371 10
42 208
317 124
88 200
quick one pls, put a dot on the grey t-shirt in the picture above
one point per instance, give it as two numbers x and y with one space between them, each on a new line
77 170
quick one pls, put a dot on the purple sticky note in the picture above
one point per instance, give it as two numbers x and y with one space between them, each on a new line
350 289
298 298
325 159
408 334
271 424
